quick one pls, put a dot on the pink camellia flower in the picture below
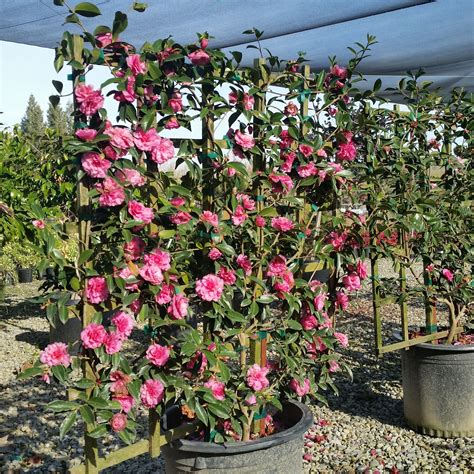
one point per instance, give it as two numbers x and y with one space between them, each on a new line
123 323
136 65
281 183
104 39
351 282
96 290
250 399
322 153
45 378
244 262
286 139
163 150
160 258
120 137
210 287
309 322
257 377
119 382
93 336
346 151
113 343
134 249
239 216
301 389
337 240
172 124
327 322
158 355
306 150
248 101
176 102
217 388
227 275
145 141
126 402
448 274
307 170
430 267
178 201
338 71
285 282
233 97
199 57
215 254
165 295
55 354
361 269
289 159
333 366
95 165
244 140
198 362
319 301
131 283
39 224
247 201
342 300
89 100
118 422
178 309
111 193
151 393
140 212
135 306
210 217
291 109
342 339
86 134
151 273
282 224
277 266
260 221
131 177
180 217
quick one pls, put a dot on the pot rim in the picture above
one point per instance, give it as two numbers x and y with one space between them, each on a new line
438 347
237 447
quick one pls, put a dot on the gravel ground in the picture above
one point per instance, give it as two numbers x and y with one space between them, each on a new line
362 430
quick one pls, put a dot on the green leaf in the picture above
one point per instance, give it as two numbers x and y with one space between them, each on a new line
201 413
84 383
140 6
62 405
84 257
97 402
87 414
72 18
31 372
58 3
86 9
66 425
54 100
98 432
60 372
219 410
120 24
58 85
63 314
167 234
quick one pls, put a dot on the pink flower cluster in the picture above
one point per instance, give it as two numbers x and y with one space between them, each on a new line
257 377
55 354
210 287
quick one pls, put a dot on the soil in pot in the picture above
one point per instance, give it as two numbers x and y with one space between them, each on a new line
25 275
438 389
280 453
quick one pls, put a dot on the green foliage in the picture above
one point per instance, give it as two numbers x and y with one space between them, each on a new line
32 123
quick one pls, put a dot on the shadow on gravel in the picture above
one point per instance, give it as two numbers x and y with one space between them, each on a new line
39 339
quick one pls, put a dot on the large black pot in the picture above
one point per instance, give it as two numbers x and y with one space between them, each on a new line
438 389
281 453
25 275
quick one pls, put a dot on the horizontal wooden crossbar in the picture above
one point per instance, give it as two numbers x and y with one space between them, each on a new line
137 449
417 340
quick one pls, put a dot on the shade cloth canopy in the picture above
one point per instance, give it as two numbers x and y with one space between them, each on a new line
436 36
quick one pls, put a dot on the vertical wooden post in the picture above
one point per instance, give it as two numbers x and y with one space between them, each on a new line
207 148
154 434
376 303
91 450
258 342
403 289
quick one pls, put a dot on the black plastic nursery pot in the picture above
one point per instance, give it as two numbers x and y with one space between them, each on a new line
438 389
281 453
25 275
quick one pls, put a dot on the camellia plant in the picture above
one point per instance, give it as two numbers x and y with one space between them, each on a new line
213 261
418 189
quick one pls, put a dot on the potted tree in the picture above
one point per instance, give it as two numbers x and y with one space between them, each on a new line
151 244
420 216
